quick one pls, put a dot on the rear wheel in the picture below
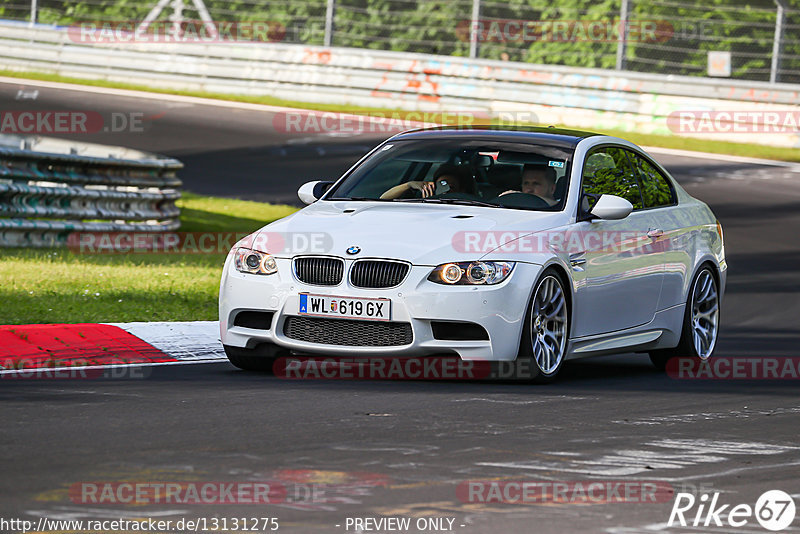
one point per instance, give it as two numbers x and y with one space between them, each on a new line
700 322
546 331
261 358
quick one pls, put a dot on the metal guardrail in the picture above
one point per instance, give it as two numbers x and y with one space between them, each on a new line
587 98
46 195
228 65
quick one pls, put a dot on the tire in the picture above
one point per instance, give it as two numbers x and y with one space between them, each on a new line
700 328
546 331
261 358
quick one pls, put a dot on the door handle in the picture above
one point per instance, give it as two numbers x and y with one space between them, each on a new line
655 233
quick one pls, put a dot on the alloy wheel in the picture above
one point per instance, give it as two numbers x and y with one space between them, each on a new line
705 314
548 326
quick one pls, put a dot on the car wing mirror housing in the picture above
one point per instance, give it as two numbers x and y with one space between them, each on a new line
310 192
611 207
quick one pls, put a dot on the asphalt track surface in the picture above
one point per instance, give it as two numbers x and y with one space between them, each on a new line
400 448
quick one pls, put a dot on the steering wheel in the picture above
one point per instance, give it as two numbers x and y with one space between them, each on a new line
521 200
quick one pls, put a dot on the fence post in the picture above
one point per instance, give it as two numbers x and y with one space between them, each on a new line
329 13
774 74
33 12
622 44
473 29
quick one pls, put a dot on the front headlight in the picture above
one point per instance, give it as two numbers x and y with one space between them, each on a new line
254 262
472 273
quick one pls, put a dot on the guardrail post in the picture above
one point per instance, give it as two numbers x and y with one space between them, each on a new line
473 29
34 9
329 13
774 74
622 44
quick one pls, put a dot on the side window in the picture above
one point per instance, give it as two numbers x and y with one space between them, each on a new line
608 171
656 189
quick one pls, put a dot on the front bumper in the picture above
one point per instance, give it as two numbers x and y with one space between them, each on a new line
499 309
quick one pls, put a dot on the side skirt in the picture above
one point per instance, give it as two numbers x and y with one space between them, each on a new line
662 332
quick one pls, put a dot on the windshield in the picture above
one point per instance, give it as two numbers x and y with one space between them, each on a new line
460 171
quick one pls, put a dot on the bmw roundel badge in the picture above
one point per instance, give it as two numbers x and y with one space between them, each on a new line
353 250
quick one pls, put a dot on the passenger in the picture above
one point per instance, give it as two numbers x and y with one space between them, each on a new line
540 181
453 178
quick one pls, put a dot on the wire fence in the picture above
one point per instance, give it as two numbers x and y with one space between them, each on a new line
742 39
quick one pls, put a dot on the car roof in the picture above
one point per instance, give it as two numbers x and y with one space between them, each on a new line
544 135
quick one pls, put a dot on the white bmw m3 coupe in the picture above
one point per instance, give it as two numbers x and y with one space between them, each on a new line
498 244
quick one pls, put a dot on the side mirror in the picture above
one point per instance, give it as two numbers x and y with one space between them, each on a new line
310 192
611 207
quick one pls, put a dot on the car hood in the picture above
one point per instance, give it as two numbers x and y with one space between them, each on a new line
423 234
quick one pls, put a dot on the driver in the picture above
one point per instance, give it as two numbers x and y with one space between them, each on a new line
455 177
540 181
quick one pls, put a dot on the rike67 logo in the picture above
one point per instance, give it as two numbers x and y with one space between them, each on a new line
774 510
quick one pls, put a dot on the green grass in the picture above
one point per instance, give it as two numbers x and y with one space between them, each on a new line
212 214
60 286
665 141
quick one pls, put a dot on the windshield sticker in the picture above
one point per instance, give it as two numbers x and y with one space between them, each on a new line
558 164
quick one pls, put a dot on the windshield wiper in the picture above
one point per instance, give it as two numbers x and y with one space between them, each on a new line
459 201
367 199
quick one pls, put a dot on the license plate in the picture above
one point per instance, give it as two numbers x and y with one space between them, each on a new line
371 309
